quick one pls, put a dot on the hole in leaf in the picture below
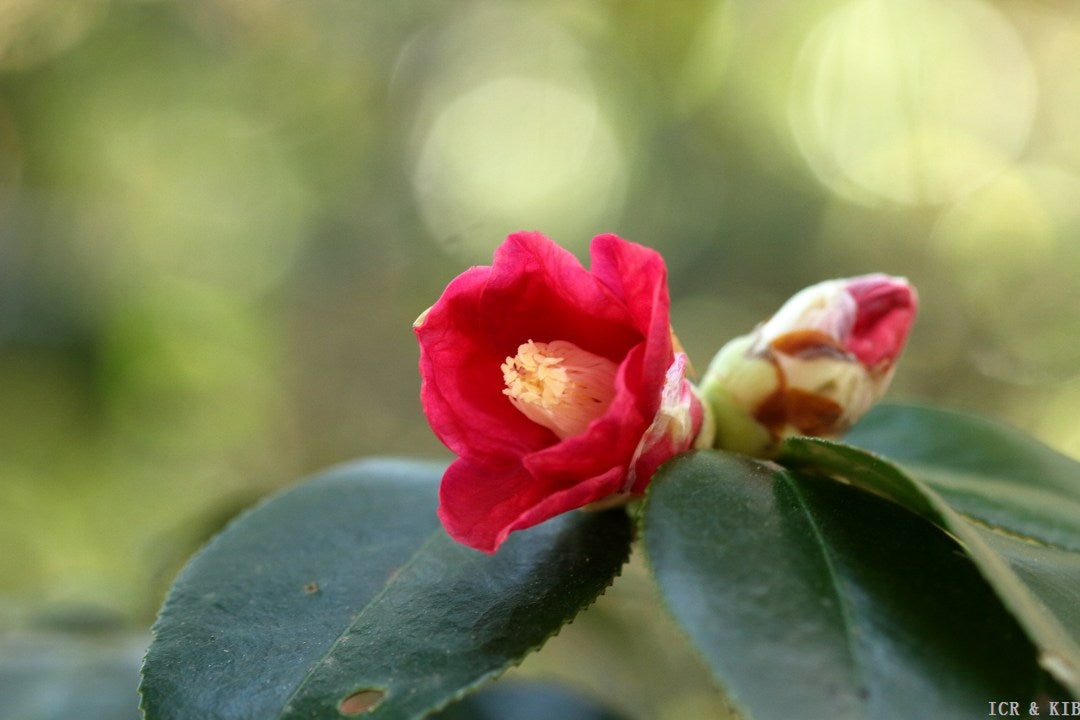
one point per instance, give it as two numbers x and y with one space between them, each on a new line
311 587
361 701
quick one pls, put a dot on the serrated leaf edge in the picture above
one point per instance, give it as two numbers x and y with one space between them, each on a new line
348 465
494 675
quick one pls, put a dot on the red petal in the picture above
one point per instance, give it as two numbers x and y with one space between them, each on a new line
480 505
886 310
638 277
539 291
461 386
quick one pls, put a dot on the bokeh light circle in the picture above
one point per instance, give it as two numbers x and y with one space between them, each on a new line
518 153
32 32
203 195
911 101
1010 248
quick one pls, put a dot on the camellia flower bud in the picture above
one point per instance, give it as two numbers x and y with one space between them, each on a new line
815 367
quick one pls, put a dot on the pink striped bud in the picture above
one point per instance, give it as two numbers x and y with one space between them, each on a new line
813 368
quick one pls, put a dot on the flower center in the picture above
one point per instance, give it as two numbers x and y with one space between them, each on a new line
559 385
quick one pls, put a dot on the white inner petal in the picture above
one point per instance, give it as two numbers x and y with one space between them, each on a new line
826 307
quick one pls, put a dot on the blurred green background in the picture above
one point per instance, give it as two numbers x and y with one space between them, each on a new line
218 219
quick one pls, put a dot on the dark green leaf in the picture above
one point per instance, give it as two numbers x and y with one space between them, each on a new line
1012 503
809 598
940 438
984 470
344 596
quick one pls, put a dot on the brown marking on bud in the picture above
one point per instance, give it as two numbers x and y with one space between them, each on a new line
808 344
807 412
813 414
772 411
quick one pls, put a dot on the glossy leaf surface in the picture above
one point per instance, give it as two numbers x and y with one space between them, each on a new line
983 469
344 597
1012 503
809 598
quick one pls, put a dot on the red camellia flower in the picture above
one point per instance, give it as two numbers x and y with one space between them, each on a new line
556 386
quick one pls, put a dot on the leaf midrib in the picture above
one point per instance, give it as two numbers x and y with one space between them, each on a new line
1041 624
847 612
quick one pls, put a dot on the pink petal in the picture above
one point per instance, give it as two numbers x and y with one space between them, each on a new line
638 277
481 505
539 291
461 386
886 311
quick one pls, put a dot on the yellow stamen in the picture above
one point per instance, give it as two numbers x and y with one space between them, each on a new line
559 385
